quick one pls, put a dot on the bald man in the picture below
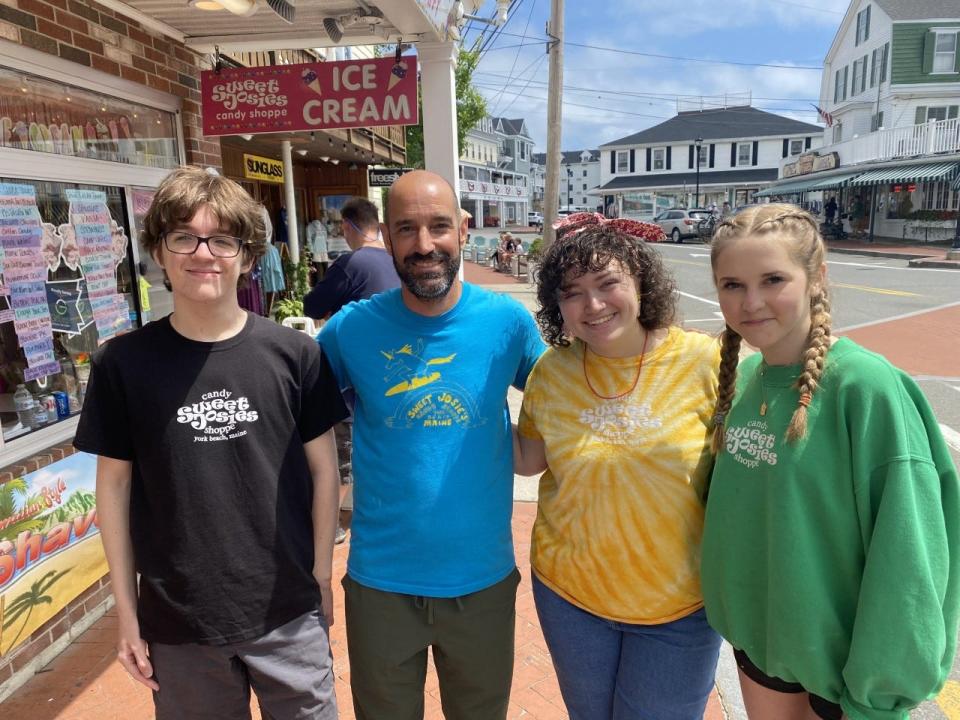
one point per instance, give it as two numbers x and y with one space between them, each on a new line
431 559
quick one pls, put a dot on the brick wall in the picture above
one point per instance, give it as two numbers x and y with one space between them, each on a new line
97 37
78 614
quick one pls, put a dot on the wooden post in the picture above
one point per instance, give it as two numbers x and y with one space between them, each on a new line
551 195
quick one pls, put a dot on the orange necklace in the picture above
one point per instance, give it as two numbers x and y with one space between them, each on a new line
643 350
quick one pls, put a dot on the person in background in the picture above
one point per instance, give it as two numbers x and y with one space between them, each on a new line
618 412
831 551
216 477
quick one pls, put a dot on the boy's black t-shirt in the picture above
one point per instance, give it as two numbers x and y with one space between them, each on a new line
221 495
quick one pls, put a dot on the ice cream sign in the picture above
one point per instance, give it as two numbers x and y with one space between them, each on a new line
310 96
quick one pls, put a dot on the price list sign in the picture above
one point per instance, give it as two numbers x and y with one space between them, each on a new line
91 223
24 274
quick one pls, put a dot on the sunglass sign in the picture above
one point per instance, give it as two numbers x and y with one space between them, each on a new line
310 96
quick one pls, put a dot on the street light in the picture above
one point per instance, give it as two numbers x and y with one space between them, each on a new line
696 199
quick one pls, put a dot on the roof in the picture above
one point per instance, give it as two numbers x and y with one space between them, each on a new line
723 177
510 127
726 123
919 9
570 157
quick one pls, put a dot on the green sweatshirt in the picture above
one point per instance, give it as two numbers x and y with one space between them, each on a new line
834 561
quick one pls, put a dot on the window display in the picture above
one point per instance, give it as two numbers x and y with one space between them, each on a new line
46 116
67 284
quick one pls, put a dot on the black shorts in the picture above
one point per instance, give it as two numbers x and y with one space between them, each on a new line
821 706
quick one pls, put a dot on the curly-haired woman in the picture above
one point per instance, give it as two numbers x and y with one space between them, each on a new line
619 413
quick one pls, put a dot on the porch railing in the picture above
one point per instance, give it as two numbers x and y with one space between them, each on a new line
935 137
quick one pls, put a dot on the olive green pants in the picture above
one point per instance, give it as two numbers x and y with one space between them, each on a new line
388 635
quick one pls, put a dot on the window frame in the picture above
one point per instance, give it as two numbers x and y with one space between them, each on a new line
625 156
749 146
663 159
863 26
952 59
799 143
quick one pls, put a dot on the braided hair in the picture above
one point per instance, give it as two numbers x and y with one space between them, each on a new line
799 230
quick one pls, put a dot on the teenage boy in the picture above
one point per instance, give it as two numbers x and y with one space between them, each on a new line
431 559
216 477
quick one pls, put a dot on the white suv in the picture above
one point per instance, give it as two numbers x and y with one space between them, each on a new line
535 219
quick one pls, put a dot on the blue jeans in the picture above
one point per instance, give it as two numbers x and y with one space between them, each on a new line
617 671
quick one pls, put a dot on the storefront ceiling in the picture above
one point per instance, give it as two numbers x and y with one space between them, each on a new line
266 30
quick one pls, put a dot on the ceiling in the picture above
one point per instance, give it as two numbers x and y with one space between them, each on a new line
409 20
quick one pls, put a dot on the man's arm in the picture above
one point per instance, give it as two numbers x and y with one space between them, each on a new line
114 478
322 461
529 454
328 295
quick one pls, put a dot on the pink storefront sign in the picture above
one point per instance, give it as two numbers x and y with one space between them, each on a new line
310 96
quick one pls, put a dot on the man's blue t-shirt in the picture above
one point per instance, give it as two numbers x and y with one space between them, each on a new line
353 276
432 443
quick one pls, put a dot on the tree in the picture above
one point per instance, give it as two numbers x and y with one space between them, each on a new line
471 107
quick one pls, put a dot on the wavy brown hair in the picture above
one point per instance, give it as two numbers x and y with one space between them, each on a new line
590 250
778 223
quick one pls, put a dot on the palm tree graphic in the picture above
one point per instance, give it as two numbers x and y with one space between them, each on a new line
25 603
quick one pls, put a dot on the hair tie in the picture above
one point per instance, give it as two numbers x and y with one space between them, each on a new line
718 418
805 398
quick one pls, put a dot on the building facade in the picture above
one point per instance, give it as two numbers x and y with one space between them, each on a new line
579 179
698 158
495 168
890 95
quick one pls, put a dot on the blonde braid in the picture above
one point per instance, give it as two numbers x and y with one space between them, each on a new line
726 385
813 359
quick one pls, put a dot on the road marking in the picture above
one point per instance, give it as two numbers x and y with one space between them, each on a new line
694 297
904 316
699 255
949 699
881 291
686 262
867 265
951 436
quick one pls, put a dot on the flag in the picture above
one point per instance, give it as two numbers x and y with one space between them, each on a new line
827 117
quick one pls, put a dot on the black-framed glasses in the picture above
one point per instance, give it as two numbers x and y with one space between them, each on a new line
184 243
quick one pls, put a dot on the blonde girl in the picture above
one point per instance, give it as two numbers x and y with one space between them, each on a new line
831 548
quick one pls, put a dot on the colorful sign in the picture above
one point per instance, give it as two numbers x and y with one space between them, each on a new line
49 551
310 96
262 168
385 177
493 191
811 162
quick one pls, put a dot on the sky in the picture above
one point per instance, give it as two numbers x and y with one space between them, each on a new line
609 95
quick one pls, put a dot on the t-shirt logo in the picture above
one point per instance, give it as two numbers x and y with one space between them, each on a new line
429 401
751 444
618 422
218 415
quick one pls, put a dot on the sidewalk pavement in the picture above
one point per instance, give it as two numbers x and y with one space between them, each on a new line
917 255
86 683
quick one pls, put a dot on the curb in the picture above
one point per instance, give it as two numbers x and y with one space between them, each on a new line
930 262
877 253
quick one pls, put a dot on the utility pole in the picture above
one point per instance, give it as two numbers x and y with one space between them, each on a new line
554 119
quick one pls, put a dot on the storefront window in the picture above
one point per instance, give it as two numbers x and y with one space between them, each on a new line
67 284
46 116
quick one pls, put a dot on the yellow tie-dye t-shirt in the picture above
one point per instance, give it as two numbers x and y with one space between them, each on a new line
620 513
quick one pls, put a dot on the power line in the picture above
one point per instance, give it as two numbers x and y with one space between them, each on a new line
516 57
524 88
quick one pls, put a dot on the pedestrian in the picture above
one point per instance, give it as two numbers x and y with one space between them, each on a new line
363 272
830 210
431 555
216 477
830 553
618 412
858 215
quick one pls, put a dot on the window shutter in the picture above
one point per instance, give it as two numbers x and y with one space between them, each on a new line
883 63
921 116
669 148
806 143
613 162
863 78
956 61
633 160
952 112
712 147
929 43
836 86
756 152
649 158
690 157
866 25
733 154
873 67
786 147
846 75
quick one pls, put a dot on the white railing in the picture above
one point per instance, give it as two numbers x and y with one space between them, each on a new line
931 138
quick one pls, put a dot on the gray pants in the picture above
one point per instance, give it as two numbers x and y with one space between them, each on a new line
290 669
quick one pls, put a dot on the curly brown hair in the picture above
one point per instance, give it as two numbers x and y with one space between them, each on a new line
590 250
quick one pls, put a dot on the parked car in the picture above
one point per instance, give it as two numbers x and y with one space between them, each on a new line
535 219
680 223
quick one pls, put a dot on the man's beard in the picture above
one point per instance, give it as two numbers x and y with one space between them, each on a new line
434 284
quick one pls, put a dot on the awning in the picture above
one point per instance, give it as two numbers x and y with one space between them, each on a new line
787 188
908 174
956 183
834 181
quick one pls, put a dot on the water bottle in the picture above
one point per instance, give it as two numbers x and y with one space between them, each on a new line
25 406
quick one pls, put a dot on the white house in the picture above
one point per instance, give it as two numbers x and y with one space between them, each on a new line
579 178
495 172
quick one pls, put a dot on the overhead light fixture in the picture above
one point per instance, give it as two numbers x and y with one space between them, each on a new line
301 153
334 161
237 7
247 137
353 166
325 158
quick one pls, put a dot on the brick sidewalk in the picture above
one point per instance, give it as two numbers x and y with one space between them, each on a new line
85 683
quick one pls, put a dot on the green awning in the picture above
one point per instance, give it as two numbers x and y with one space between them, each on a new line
925 172
956 183
834 181
785 188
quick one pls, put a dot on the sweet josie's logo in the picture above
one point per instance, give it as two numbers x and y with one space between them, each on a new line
619 422
218 414
751 444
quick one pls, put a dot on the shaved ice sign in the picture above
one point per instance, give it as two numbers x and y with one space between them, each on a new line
310 96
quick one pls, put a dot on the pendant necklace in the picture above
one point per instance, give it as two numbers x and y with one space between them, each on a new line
643 350
763 390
